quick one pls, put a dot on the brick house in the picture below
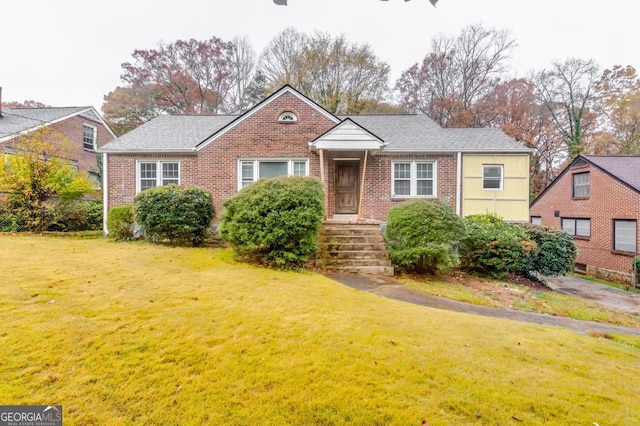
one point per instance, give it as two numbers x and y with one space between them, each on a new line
82 126
367 164
597 200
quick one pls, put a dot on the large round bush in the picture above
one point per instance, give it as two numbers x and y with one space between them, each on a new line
495 247
275 221
174 213
120 222
555 253
422 236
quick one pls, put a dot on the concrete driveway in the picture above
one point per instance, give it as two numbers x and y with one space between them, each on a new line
610 297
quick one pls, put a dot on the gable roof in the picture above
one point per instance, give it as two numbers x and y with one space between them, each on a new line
348 135
396 132
624 169
16 121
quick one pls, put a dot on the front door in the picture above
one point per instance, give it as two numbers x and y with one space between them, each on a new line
347 187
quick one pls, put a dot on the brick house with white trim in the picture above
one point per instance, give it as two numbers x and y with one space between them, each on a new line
597 200
367 163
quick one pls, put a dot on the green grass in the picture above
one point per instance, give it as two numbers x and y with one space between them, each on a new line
136 334
520 297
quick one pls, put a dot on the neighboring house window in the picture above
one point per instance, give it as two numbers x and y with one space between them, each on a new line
491 177
577 227
287 117
624 235
536 220
252 170
414 179
581 185
157 173
89 137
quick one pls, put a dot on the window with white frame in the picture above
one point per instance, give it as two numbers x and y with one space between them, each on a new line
157 173
536 220
625 235
577 227
581 185
414 179
492 176
89 137
252 170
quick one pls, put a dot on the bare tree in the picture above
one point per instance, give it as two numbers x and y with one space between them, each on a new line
567 92
242 72
457 73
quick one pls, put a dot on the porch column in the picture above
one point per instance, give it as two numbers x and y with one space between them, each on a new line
324 184
364 172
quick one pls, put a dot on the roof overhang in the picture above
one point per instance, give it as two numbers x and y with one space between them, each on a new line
191 151
348 136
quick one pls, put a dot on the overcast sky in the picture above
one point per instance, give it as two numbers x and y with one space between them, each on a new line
69 52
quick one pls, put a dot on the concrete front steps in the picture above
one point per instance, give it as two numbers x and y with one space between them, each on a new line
353 248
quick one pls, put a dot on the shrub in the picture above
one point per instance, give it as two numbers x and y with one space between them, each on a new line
275 221
422 236
495 247
174 213
635 266
95 213
555 253
69 217
120 222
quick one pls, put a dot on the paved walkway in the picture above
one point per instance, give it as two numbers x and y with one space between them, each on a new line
388 287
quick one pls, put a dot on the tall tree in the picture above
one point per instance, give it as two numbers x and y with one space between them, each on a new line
567 91
455 74
340 76
242 72
617 101
183 77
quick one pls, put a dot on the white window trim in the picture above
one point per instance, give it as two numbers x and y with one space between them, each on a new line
158 171
257 161
95 136
283 118
501 177
413 179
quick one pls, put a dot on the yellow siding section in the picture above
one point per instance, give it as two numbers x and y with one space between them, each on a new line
512 201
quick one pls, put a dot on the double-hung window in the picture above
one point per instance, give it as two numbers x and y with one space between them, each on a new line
89 137
492 177
157 173
252 170
414 179
577 227
581 185
625 235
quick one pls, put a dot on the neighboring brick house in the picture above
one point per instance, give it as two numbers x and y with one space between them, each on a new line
82 126
367 164
597 200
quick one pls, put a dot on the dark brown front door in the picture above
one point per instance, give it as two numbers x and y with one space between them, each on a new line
347 187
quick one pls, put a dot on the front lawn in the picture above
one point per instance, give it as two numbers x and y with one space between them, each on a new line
132 333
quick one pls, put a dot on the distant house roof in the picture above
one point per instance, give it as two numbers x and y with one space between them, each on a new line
625 169
15 121
398 133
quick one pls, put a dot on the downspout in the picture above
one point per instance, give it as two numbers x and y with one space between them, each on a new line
459 184
105 197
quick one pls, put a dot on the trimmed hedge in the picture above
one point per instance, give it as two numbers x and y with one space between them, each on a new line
173 213
275 221
422 236
120 222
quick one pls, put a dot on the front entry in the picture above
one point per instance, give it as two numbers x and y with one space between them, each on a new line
347 187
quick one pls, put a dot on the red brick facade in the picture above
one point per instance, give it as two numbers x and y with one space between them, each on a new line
261 136
609 199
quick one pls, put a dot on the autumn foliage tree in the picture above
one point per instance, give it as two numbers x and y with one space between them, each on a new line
37 174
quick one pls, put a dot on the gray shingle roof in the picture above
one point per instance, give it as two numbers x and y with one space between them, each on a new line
170 133
421 133
624 168
16 120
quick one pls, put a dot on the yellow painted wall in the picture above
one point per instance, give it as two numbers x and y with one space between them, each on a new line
512 201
